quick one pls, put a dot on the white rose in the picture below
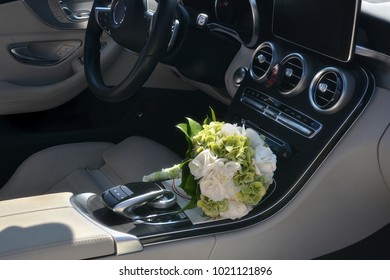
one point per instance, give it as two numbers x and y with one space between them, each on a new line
236 210
202 164
254 138
265 162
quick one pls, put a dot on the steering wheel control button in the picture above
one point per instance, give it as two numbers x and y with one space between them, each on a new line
202 20
102 16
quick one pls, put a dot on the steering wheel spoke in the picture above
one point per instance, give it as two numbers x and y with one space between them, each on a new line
102 16
174 32
135 27
148 17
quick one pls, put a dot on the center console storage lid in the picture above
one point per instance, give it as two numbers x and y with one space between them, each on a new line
48 227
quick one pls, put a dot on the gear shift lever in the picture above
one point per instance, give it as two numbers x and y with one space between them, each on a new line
123 199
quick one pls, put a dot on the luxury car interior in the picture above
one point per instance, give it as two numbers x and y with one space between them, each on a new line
91 93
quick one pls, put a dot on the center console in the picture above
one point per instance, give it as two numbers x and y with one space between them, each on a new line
303 105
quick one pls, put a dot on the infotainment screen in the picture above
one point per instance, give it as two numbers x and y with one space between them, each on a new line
324 26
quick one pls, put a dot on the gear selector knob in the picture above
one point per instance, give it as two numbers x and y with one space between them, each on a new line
123 199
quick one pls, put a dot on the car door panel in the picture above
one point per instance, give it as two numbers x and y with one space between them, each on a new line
41 65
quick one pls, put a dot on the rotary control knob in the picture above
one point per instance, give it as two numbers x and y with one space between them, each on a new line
239 75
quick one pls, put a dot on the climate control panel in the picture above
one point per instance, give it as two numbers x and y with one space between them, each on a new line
280 113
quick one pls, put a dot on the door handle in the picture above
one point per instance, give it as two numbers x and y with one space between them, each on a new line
23 54
44 53
76 16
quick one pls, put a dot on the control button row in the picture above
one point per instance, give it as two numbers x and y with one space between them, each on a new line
280 113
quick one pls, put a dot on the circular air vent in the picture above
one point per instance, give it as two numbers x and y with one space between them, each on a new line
294 77
262 61
329 90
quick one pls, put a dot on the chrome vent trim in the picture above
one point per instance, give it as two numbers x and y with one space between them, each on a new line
330 90
262 61
294 77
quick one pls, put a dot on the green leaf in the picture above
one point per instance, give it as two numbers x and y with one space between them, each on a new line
190 186
193 127
209 119
190 205
213 117
183 127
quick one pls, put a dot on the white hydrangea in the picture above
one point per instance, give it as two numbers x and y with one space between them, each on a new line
215 175
218 184
230 129
202 164
265 162
236 210
254 138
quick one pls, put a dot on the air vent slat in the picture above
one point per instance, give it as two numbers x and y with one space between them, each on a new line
259 69
261 61
296 76
332 81
327 90
293 74
294 65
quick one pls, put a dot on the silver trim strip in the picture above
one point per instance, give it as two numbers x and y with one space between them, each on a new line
294 125
369 53
124 243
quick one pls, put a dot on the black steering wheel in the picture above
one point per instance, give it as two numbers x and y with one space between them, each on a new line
135 27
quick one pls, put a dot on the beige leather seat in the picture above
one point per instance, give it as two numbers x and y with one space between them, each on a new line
87 167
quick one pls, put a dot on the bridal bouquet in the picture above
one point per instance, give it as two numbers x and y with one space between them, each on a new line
227 169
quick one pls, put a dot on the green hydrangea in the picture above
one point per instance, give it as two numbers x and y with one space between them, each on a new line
212 208
208 138
252 193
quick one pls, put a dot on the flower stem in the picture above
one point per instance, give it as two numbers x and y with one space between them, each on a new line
173 172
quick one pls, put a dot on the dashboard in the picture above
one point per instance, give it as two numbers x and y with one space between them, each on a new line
302 92
238 18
